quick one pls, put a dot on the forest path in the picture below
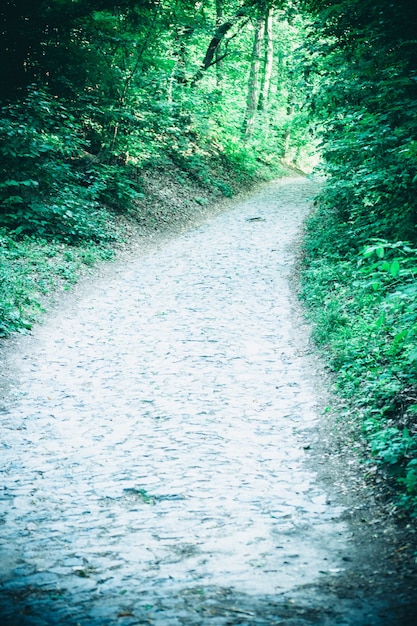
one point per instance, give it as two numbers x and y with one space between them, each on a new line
154 443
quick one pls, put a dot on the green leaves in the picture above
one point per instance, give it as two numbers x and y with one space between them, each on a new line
29 269
364 307
367 101
391 445
366 57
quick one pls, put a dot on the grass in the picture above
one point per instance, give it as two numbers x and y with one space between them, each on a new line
32 268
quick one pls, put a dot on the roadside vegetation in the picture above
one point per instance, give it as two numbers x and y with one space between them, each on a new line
360 249
117 114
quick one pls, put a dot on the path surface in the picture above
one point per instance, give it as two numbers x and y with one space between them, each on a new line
154 441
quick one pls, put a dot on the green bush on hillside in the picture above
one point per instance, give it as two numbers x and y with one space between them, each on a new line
364 310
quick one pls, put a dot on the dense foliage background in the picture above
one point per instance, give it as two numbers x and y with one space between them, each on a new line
360 251
96 91
97 96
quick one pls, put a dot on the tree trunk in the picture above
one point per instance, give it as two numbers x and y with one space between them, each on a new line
219 49
268 61
287 132
253 84
210 57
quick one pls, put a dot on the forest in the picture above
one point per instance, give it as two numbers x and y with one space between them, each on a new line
100 96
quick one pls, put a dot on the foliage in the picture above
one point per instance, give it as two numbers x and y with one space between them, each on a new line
30 268
96 91
364 311
366 56
40 189
360 259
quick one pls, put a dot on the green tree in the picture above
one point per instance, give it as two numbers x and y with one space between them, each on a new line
366 54
359 273
96 91
254 82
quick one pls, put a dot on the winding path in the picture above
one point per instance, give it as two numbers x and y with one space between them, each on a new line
154 442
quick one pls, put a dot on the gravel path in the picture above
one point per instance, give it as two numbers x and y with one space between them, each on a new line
154 442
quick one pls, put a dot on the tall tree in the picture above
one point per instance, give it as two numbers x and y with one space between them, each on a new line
366 55
268 60
211 56
219 49
254 80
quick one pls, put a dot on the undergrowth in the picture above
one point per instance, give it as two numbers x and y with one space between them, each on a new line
364 310
32 268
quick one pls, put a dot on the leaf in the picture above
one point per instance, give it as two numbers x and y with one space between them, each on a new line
13 200
411 358
394 268
401 335
380 321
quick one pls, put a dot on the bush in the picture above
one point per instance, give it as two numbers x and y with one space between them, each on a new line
43 191
364 308
31 268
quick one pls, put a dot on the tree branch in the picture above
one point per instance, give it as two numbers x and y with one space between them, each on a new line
219 34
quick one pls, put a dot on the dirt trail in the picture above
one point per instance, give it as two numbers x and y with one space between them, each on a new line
154 442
